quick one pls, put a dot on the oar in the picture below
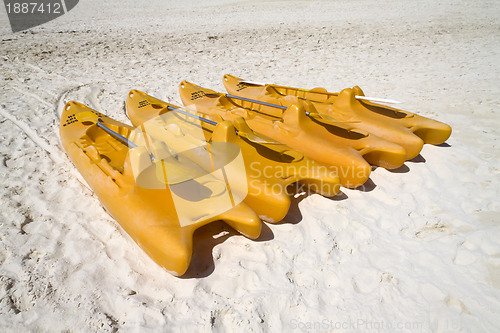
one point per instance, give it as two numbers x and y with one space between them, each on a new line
247 135
88 116
365 98
314 115
191 115
178 170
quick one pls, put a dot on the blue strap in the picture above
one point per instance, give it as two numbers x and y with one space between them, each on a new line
116 135
192 115
258 102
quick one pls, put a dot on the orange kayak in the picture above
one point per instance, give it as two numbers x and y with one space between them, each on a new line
342 148
155 213
407 129
269 168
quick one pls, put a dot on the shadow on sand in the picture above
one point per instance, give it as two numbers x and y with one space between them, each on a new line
368 186
405 168
204 241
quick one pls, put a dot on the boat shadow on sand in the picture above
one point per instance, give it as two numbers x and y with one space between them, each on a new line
207 237
405 168
204 241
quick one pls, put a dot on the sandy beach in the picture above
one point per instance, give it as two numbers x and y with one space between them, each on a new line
414 250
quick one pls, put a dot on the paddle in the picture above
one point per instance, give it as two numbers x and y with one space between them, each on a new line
245 134
88 116
180 168
365 98
314 115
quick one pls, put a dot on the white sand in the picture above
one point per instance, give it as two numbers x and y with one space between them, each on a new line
418 251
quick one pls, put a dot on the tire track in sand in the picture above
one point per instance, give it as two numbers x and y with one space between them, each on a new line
54 155
35 96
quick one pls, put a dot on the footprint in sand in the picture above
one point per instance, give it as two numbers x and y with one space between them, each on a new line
367 281
464 257
433 231
4 255
457 304
493 266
